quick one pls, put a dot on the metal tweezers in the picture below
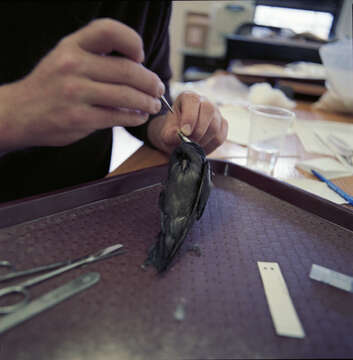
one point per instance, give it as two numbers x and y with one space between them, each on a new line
181 135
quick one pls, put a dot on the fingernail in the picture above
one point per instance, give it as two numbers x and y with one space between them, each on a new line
186 129
161 89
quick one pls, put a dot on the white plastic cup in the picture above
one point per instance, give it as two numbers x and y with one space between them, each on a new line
269 126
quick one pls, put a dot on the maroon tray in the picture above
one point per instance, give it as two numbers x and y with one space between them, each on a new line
209 304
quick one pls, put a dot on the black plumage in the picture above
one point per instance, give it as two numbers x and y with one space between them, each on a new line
181 202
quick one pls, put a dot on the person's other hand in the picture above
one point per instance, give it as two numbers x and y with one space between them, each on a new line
196 117
78 88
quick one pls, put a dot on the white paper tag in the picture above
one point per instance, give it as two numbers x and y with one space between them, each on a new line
331 277
284 316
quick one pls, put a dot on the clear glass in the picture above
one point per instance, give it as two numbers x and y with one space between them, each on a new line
268 128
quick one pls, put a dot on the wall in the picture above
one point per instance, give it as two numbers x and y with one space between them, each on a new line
177 27
220 21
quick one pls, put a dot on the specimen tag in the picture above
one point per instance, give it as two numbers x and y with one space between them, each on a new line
284 316
331 277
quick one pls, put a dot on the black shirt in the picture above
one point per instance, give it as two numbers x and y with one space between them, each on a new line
28 31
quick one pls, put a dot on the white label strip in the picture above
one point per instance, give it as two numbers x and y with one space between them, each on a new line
284 316
331 277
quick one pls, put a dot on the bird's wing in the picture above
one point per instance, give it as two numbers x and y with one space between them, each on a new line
204 190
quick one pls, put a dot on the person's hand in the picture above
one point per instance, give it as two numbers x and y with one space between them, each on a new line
196 117
77 88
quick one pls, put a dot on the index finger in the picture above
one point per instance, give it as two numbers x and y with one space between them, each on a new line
104 36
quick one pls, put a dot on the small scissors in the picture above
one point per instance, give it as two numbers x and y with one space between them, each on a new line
60 267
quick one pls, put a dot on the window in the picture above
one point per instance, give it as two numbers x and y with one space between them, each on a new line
317 22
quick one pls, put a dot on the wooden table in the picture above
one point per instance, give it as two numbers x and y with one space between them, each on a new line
285 168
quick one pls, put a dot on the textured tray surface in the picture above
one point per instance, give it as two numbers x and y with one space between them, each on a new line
131 313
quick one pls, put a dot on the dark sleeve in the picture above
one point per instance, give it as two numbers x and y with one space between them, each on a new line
158 56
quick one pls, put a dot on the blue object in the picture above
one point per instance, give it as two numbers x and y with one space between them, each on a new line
334 187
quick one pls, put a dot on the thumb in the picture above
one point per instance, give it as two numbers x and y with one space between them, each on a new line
188 108
186 129
183 124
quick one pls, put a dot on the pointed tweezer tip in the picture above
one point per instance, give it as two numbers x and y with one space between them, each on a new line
167 104
183 137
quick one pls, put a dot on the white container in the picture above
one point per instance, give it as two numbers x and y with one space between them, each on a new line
337 57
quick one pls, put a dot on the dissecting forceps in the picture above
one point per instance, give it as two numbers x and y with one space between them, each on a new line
60 268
